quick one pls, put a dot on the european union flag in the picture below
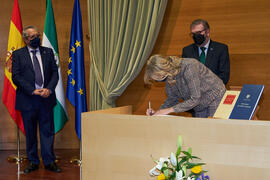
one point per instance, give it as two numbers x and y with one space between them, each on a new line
76 92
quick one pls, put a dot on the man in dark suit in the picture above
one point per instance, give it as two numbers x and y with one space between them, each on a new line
34 72
213 54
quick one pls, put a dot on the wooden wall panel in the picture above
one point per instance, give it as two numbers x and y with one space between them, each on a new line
33 13
242 24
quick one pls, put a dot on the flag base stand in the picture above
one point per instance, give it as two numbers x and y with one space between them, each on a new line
16 159
57 159
19 158
76 161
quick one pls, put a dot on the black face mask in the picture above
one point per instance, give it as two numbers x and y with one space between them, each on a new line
35 43
198 39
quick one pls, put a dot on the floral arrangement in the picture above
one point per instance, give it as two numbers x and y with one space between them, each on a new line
179 166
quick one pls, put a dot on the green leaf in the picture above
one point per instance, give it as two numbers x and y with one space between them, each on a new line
177 168
184 159
163 169
166 173
191 165
200 164
187 154
179 142
165 164
184 170
190 150
195 157
192 174
172 176
178 152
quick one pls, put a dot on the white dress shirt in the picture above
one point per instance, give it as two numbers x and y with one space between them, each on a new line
206 48
40 63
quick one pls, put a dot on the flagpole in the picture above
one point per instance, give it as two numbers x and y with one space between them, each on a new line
18 144
80 159
17 159
15 41
76 91
77 161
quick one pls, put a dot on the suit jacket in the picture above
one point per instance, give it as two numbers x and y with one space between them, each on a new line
196 85
23 76
217 59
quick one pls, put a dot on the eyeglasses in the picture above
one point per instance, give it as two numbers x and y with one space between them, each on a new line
196 33
33 36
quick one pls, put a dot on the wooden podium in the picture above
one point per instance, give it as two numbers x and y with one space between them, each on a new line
118 146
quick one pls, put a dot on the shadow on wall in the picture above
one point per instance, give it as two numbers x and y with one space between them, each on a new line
161 47
135 94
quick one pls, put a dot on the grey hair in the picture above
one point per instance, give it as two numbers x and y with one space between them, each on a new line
200 21
24 33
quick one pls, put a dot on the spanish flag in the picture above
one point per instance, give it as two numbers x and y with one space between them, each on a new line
15 41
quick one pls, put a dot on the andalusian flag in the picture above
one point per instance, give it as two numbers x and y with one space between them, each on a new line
50 40
15 41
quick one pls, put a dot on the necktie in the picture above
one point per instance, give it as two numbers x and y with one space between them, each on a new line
202 55
38 76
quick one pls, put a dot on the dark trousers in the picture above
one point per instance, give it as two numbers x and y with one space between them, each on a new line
44 117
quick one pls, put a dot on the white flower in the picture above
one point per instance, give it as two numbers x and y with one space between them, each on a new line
190 178
179 175
161 162
153 172
173 159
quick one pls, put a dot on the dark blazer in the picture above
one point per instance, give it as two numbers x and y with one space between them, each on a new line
217 59
23 76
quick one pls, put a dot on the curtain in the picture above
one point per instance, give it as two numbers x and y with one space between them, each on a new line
122 36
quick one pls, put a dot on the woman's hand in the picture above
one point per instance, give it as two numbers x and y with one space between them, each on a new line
164 111
150 112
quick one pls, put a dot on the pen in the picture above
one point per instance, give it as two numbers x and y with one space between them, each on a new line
149 107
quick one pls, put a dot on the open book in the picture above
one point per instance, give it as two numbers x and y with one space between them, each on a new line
240 105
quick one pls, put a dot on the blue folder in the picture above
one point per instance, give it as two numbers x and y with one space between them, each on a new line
247 102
